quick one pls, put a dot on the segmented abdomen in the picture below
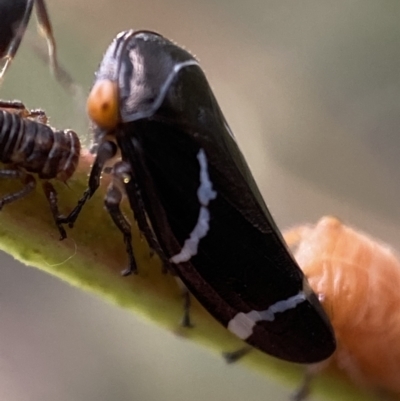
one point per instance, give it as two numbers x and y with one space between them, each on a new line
37 147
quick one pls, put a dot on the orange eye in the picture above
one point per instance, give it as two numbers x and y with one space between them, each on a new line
102 104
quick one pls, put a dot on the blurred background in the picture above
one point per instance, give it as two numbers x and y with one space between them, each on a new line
312 92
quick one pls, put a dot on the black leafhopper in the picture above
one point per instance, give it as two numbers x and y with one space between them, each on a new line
183 173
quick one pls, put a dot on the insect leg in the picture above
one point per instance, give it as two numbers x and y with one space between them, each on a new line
304 389
46 29
234 356
112 203
28 181
122 173
51 195
16 40
106 151
186 321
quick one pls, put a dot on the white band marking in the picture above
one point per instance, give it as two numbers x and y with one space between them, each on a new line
205 194
242 324
152 108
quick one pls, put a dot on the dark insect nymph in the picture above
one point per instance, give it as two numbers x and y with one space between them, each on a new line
28 146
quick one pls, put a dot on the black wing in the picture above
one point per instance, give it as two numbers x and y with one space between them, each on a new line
242 272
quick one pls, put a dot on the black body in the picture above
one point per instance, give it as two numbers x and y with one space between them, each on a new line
168 113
